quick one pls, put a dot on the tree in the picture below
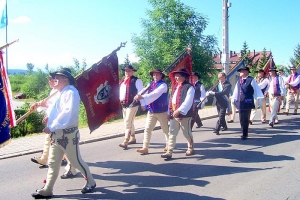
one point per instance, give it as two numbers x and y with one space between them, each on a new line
245 52
30 67
171 26
47 68
295 61
263 59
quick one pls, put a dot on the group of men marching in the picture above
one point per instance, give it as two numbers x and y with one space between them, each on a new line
249 95
277 87
179 110
175 112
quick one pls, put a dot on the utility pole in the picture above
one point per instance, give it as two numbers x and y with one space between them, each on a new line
225 46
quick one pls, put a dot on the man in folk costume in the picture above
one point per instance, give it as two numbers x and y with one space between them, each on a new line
63 127
155 100
129 87
292 81
281 74
263 82
245 91
276 94
199 97
222 101
180 111
70 171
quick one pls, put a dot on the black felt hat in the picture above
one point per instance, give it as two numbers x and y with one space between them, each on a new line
244 68
157 71
129 67
196 74
183 71
272 69
65 72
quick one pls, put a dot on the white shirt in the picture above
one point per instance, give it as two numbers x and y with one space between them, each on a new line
295 82
203 93
187 103
264 84
281 86
138 85
52 100
155 94
49 102
65 111
284 78
257 91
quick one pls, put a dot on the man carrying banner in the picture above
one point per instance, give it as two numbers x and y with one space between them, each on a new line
292 82
263 82
199 97
222 101
180 111
276 93
245 91
63 127
156 102
129 87
70 171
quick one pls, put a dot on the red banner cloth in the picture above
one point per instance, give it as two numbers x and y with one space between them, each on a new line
99 91
268 65
185 61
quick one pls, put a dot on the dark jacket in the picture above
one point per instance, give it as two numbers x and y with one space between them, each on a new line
222 97
246 92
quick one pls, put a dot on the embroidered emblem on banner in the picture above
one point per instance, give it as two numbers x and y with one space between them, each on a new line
103 92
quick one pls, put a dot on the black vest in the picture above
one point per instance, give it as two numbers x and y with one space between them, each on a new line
183 92
132 91
246 92
197 90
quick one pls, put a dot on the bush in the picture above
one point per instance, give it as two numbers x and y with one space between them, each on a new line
32 124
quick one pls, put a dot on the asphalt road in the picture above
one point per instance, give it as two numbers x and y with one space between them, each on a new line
266 166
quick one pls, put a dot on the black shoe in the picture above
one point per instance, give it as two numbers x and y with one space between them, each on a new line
230 121
35 161
64 162
39 196
263 122
88 189
67 175
216 132
224 129
250 122
199 126
295 113
243 137
271 124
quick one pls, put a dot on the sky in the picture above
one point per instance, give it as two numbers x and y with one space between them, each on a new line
54 32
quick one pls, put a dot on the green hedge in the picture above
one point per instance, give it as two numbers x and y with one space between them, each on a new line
32 124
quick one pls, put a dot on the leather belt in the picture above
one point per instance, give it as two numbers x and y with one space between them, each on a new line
68 130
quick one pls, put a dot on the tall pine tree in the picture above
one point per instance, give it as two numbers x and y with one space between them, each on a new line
295 61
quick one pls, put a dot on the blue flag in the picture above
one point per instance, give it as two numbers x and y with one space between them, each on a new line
4 117
3 22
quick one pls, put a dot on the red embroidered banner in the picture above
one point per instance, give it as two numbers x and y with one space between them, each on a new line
268 65
99 91
185 61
